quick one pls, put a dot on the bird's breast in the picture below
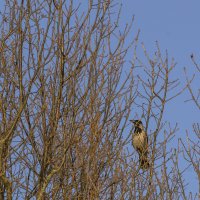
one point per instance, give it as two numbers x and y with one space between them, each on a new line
139 140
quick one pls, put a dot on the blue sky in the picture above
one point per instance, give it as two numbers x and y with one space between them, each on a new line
175 25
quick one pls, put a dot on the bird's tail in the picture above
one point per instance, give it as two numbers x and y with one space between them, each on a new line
144 163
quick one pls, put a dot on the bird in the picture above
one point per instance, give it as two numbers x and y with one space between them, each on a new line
140 143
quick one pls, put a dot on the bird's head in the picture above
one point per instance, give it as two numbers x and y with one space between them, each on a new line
137 123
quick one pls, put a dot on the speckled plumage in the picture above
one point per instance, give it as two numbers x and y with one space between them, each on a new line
140 143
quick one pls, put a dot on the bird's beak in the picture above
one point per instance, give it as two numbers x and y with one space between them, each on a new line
133 121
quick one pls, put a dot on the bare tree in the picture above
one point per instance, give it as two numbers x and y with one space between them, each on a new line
191 148
66 99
